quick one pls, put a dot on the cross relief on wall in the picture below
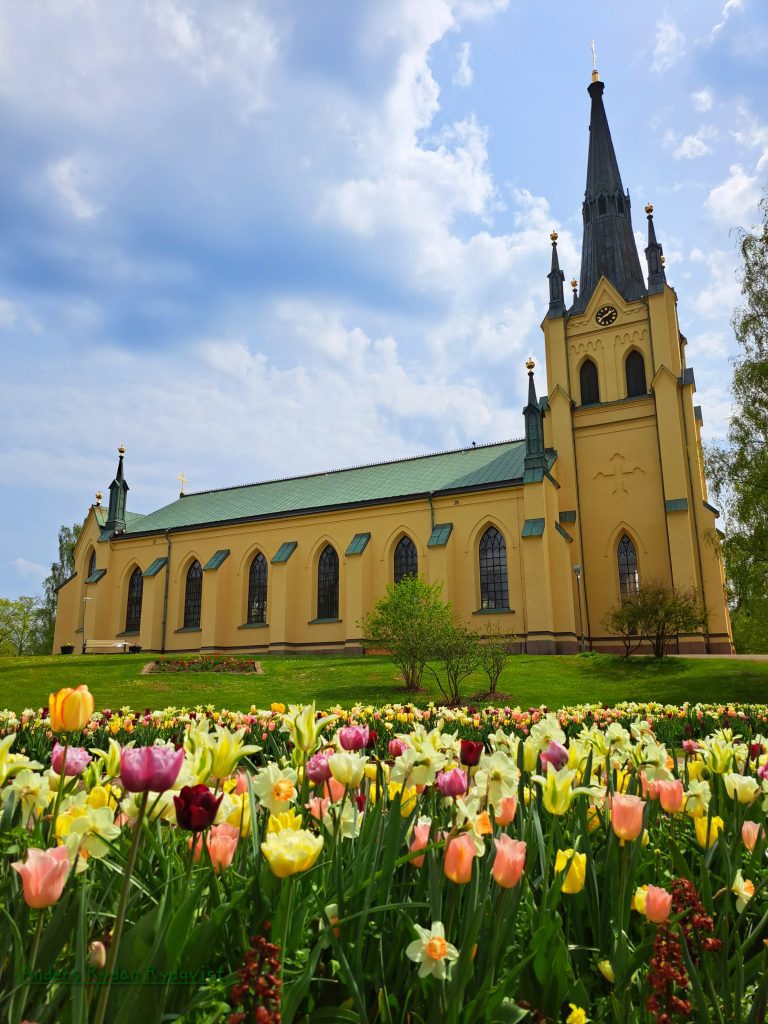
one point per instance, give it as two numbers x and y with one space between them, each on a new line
619 473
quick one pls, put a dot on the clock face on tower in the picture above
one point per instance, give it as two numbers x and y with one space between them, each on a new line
606 315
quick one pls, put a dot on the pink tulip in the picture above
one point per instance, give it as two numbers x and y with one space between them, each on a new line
43 876
77 759
459 857
671 795
354 737
556 755
762 771
507 811
396 748
649 789
452 783
241 783
690 746
658 903
627 816
318 807
750 833
221 841
318 769
335 790
509 861
155 769
420 840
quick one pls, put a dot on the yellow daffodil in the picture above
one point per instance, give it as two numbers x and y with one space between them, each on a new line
290 851
577 1015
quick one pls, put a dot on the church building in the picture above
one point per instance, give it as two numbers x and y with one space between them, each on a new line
541 535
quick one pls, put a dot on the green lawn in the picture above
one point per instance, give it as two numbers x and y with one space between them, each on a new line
114 681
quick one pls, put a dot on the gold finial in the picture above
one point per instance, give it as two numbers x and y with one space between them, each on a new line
182 480
99 496
121 450
649 208
529 365
553 236
574 283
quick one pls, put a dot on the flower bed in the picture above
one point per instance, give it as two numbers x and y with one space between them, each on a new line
206 663
384 864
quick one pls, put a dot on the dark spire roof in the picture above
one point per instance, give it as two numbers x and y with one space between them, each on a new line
654 255
556 278
608 248
118 491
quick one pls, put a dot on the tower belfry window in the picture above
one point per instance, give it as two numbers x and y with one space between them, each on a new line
635 370
620 205
590 387
91 565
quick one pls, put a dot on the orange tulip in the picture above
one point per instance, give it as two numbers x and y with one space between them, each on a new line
70 710
658 903
507 811
750 833
43 876
671 795
420 840
627 816
459 856
509 861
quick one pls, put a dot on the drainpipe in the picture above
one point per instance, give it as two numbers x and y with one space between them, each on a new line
165 595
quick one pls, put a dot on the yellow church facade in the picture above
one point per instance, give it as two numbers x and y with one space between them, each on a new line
541 536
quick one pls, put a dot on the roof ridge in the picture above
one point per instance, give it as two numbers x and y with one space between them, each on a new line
364 465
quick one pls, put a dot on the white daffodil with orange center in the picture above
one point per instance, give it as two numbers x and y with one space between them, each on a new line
431 951
743 890
275 787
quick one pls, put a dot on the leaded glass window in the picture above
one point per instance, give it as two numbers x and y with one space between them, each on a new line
406 559
328 584
91 565
193 596
635 367
494 590
257 590
629 578
590 388
133 609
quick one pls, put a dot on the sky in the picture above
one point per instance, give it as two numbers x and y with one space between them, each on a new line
260 238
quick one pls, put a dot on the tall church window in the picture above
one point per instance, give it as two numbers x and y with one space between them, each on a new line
590 388
406 559
91 565
635 368
193 596
328 584
494 589
629 578
257 590
133 609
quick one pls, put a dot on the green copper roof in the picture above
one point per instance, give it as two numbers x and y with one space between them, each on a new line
676 504
533 528
489 465
96 575
284 552
358 544
155 567
440 534
216 559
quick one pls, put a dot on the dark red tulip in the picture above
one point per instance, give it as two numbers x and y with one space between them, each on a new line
196 807
470 752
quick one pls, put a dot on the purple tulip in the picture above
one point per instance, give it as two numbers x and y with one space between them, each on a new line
452 783
762 771
397 747
690 746
354 737
556 755
150 768
77 759
318 769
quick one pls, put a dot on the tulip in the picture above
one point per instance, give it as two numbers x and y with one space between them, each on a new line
741 787
750 833
277 709
97 955
347 768
196 807
76 759
318 769
145 769
452 783
556 793
420 840
708 829
221 842
43 876
318 807
396 747
762 771
658 903
470 752
288 852
228 750
304 727
576 874
507 810
606 969
354 737
671 795
459 855
509 861
627 816
286 819
555 754
334 790
70 710
690 747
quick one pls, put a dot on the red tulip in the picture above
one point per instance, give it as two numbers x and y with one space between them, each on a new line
196 807
470 752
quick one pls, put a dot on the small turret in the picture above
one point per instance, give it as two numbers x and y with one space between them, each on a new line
556 278
118 491
534 425
654 255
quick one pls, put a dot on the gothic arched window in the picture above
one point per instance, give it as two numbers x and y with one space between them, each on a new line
257 590
406 559
328 584
635 368
494 591
133 608
91 565
590 388
629 578
193 596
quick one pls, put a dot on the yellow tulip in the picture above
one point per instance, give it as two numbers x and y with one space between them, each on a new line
70 710
277 709
638 900
556 792
288 852
606 969
743 788
695 770
288 819
714 825
228 750
577 871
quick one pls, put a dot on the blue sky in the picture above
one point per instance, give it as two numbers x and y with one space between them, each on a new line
254 239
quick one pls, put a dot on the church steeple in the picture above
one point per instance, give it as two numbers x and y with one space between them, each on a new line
654 255
608 247
118 491
556 278
534 426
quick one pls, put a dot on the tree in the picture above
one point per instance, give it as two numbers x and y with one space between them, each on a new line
61 570
656 614
21 625
408 623
739 473
457 650
493 654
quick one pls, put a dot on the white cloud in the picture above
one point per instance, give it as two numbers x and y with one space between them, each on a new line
735 200
28 569
693 146
669 48
464 75
702 100
727 11
721 291
68 177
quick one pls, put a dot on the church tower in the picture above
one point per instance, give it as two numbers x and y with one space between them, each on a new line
621 416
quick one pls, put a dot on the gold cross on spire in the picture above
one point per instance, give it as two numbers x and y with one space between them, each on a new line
182 480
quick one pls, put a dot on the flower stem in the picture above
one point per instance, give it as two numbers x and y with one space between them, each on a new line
60 790
101 1009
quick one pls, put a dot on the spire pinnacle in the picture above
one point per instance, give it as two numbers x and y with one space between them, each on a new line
534 426
654 255
556 278
118 491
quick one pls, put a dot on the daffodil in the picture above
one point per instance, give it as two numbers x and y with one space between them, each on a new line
431 951
577 1015
275 787
290 851
497 777
743 890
